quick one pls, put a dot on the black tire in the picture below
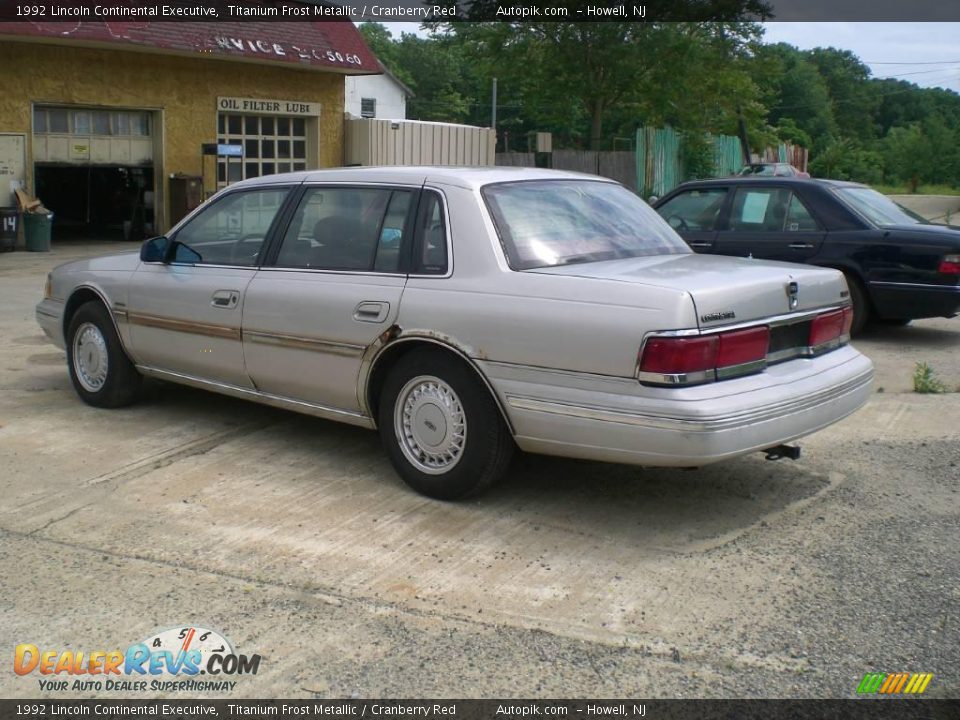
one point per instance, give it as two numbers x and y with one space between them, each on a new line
895 322
120 385
484 453
861 304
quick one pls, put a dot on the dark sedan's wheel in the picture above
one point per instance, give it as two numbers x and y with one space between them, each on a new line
100 370
861 305
441 428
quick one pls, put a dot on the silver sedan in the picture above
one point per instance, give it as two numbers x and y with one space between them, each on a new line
464 313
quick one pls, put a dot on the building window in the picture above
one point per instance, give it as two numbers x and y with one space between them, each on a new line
270 145
65 121
368 107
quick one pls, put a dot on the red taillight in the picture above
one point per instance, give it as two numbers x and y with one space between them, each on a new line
672 356
668 356
828 326
950 265
743 346
847 320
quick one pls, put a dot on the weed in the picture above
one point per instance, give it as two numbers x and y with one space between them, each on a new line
924 380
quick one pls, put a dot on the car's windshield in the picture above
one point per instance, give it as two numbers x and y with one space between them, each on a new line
877 208
556 222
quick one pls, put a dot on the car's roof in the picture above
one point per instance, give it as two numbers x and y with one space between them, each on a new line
468 177
766 180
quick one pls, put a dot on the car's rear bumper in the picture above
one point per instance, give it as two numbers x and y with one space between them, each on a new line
49 315
683 427
915 300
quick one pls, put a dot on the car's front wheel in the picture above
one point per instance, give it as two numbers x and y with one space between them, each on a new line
100 370
441 428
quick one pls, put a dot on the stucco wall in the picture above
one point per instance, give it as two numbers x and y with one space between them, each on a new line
184 89
391 99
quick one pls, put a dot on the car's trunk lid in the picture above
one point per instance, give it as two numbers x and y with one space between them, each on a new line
725 290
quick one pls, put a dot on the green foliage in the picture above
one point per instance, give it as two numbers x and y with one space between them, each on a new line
696 154
924 380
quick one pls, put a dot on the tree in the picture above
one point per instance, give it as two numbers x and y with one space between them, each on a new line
907 155
628 71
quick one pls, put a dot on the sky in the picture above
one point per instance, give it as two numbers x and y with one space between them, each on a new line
925 53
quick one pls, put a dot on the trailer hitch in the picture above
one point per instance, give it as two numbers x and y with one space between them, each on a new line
783 451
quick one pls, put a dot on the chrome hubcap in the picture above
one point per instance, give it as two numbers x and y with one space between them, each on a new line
90 357
430 424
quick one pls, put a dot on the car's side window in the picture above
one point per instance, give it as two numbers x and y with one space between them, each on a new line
346 228
391 233
798 217
430 257
694 209
759 209
231 231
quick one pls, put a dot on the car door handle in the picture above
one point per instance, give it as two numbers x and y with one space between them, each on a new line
375 312
225 299
801 246
701 244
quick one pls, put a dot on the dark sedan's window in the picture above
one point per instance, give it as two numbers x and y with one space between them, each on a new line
346 229
799 218
759 209
232 230
557 222
694 209
877 208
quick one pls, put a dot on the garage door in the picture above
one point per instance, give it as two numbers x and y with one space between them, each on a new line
83 136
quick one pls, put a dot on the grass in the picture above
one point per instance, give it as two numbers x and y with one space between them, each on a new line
924 381
921 189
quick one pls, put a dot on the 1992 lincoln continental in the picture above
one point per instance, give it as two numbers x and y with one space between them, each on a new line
463 312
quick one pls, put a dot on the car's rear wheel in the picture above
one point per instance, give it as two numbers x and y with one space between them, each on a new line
896 322
441 428
861 304
100 370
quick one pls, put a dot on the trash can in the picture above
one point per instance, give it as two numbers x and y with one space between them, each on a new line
36 231
9 221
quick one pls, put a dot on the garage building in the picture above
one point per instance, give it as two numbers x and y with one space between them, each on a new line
107 122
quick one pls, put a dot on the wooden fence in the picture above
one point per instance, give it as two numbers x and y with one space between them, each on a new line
656 166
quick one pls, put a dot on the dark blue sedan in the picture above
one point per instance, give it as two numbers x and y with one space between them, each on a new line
898 266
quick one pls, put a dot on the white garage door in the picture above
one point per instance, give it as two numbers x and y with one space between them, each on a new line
83 136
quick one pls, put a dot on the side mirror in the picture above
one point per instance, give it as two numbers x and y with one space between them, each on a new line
155 249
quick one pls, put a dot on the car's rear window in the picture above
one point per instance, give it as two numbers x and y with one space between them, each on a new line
557 222
877 208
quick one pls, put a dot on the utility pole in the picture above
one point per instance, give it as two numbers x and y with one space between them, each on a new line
493 114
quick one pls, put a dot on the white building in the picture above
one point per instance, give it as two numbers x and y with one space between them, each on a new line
376 96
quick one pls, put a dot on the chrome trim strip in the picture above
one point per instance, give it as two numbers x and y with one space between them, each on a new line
731 371
742 419
772 321
185 326
914 286
703 376
323 271
53 316
694 378
303 343
322 411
